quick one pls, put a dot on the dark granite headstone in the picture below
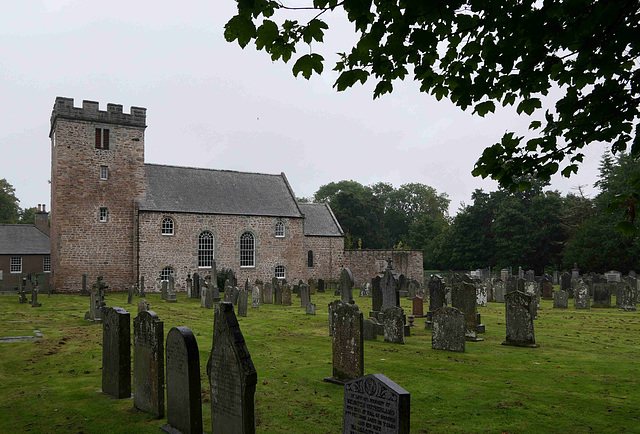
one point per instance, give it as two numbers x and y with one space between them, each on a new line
565 282
320 285
148 363
602 294
376 294
184 401
519 321
116 353
448 329
243 302
463 297
346 286
369 329
84 291
195 292
436 298
393 322
268 293
142 294
375 404
561 300
232 376
389 287
347 342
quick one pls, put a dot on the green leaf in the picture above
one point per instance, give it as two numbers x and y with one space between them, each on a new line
307 64
314 30
267 34
529 105
240 28
484 107
349 78
381 88
626 228
534 125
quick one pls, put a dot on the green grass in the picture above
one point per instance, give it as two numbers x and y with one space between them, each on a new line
583 378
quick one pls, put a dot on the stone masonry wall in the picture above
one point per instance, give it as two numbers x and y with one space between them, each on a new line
366 264
80 243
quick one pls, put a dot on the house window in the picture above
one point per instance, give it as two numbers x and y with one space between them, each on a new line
310 259
104 214
46 264
167 226
165 273
247 250
280 272
205 249
102 138
279 229
104 172
16 264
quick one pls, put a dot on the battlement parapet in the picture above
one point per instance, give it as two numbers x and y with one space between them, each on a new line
90 111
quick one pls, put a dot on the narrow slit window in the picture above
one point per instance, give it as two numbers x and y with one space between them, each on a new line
104 215
104 172
310 259
102 138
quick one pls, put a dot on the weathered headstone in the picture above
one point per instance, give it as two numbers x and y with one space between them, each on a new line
556 278
130 295
255 297
320 285
575 273
628 296
369 329
376 295
228 292
418 307
365 290
602 294
582 299
268 293
448 329
171 292
142 294
143 305
84 291
23 296
530 276
481 295
184 402
389 287
547 290
346 286
195 292
234 295
305 295
531 289
463 297
436 298
519 321
311 309
561 300
393 322
189 283
286 295
347 343
565 282
116 353
163 289
375 404
243 296
34 296
499 291
277 292
232 376
148 363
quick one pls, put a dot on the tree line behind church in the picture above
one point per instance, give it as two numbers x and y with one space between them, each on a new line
538 229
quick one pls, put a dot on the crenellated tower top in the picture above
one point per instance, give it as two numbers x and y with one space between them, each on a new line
90 111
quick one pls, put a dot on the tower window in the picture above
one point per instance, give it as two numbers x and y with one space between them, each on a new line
104 172
279 229
104 214
205 249
167 226
247 250
102 138
280 272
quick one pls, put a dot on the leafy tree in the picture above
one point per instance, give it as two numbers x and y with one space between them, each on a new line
8 203
481 55
28 215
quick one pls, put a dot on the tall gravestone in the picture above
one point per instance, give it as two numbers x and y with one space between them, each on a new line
130 295
228 292
142 294
148 363
243 297
255 297
418 307
347 342
375 404
376 296
84 286
346 286
499 291
305 295
547 289
163 289
116 353
531 289
184 402
436 298
277 291
519 320
268 293
189 282
320 285
481 295
195 292
232 376
171 290
313 285
582 299
389 287
286 295
628 296
449 328
565 282
463 297
393 322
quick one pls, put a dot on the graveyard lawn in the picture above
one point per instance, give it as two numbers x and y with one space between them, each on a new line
584 376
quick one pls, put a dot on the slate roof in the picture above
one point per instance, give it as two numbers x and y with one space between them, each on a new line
23 240
320 221
207 191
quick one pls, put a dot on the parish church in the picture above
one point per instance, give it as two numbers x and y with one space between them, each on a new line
113 215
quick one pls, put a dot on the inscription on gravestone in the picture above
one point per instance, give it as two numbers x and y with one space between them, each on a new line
393 321
375 404
347 342
148 363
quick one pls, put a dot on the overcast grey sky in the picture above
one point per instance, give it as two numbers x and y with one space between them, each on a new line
211 104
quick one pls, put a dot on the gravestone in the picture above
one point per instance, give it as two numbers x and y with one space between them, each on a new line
268 293
232 376
530 276
195 292
481 295
148 363
463 297
519 320
582 299
311 308
375 404
171 292
23 296
556 278
84 291
561 300
163 290
499 291
376 295
213 286
243 302
369 329
286 295
313 286
418 307
143 305
602 294
531 289
389 287
260 286
412 289
305 295
234 295
232 279
628 296
228 291
130 295
393 322
575 273
184 402
189 282
330 308
142 294
448 329
97 305
547 290
436 298
277 290
34 296
320 285
255 297
365 290
565 282
346 286
347 343
116 353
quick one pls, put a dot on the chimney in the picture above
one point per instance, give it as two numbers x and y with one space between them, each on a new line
42 220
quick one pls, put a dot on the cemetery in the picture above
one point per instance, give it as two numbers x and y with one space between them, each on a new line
359 363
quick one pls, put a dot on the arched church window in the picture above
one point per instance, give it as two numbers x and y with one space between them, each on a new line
279 229
167 226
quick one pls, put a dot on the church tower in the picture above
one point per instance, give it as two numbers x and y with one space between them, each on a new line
97 177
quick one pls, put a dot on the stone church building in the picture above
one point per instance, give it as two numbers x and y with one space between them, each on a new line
113 215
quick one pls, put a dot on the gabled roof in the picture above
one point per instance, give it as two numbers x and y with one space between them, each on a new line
320 221
207 191
23 240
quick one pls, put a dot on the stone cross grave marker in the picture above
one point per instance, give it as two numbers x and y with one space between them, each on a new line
375 404
116 353
519 321
347 343
448 329
561 300
346 286
232 376
393 322
463 297
148 363
184 402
